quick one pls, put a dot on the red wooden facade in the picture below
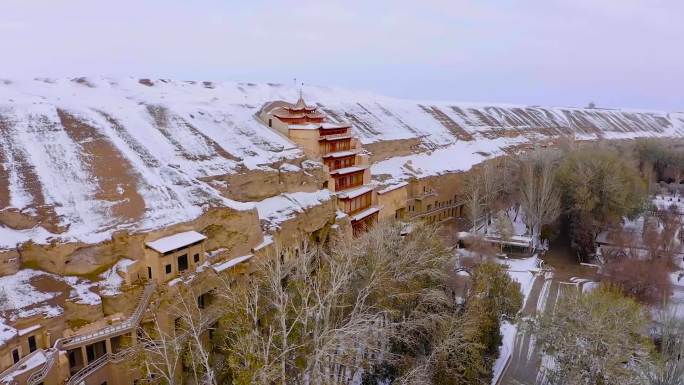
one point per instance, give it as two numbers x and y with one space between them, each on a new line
343 182
362 225
342 162
336 145
357 204
333 131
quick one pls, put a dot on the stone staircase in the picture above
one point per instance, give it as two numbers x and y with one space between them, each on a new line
127 326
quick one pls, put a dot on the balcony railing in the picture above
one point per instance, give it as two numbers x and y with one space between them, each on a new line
111 331
209 317
94 366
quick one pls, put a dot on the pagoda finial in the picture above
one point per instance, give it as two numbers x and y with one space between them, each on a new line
300 102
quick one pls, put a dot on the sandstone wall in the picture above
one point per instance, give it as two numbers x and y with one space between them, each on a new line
10 261
235 230
256 185
392 202
385 149
316 220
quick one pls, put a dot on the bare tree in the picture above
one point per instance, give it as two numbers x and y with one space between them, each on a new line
303 336
671 222
539 196
192 323
504 227
159 353
473 200
668 366
491 180
321 316
164 350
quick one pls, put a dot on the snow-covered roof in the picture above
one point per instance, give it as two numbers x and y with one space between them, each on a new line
27 363
392 187
316 126
353 193
348 170
28 330
340 154
331 138
365 213
219 267
176 241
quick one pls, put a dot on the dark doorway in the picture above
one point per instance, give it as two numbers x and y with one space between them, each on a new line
183 262
32 344
96 350
149 272
15 355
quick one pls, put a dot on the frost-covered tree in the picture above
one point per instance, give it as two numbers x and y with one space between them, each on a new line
668 366
598 187
539 196
481 189
504 226
320 315
5 303
593 338
473 200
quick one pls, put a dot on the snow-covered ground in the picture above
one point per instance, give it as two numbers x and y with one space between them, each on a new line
111 279
276 210
32 292
523 271
168 139
29 362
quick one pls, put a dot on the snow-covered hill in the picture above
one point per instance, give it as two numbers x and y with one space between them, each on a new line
85 157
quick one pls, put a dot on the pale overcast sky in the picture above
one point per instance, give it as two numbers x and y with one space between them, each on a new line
626 53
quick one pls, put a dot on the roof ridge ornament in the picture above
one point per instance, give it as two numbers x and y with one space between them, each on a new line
300 102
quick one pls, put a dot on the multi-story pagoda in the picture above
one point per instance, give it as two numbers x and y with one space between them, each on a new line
340 151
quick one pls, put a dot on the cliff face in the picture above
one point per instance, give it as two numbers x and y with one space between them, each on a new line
83 158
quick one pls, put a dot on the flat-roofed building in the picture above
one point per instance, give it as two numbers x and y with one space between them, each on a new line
176 254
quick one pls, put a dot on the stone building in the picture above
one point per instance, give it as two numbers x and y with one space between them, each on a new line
91 342
333 144
203 188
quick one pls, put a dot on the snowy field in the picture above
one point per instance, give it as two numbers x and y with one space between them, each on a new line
169 139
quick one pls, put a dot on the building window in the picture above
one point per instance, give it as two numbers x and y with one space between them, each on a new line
149 272
358 203
32 344
334 164
348 181
338 145
15 355
196 258
183 262
168 269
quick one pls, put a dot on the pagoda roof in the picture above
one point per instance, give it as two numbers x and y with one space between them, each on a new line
301 105
317 126
289 115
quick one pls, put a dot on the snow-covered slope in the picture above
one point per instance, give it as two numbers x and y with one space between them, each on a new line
83 157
